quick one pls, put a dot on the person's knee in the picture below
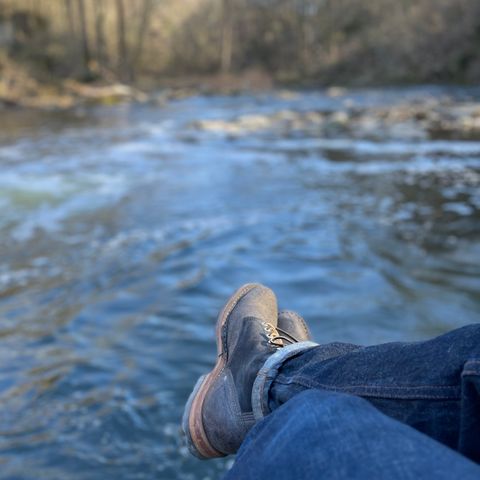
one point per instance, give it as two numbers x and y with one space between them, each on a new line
463 343
468 332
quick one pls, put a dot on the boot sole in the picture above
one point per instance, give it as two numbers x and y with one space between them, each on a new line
192 421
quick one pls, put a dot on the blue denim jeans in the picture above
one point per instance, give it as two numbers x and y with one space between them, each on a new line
398 410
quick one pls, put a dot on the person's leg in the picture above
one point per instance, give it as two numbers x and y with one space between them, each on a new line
433 386
319 434
219 413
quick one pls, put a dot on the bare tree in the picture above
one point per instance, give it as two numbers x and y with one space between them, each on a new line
123 66
69 9
301 39
101 46
84 35
227 36
143 26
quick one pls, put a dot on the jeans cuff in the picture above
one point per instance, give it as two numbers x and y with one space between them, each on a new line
268 373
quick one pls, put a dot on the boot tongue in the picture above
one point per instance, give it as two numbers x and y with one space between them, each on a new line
247 357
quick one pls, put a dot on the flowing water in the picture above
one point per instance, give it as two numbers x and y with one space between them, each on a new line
124 229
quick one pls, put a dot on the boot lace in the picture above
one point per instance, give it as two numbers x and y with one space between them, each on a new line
278 337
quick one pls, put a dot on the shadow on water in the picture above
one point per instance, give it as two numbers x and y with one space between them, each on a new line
123 230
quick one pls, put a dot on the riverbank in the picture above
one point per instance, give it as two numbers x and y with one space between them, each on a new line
19 90
441 116
20 87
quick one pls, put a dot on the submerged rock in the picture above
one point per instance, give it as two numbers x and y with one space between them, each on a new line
410 121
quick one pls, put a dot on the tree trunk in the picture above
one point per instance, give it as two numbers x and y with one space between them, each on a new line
227 37
72 38
122 43
84 36
101 53
303 40
141 33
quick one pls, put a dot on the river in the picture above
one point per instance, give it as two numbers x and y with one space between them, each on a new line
123 230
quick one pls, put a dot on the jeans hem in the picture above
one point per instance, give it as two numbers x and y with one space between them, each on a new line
268 373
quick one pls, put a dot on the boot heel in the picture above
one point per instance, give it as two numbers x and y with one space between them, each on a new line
196 439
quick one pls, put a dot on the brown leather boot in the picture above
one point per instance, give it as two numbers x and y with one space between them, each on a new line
218 414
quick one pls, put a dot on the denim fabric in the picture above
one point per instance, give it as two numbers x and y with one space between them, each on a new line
267 374
432 386
324 435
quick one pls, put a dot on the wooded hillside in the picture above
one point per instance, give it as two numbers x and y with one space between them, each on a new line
296 41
